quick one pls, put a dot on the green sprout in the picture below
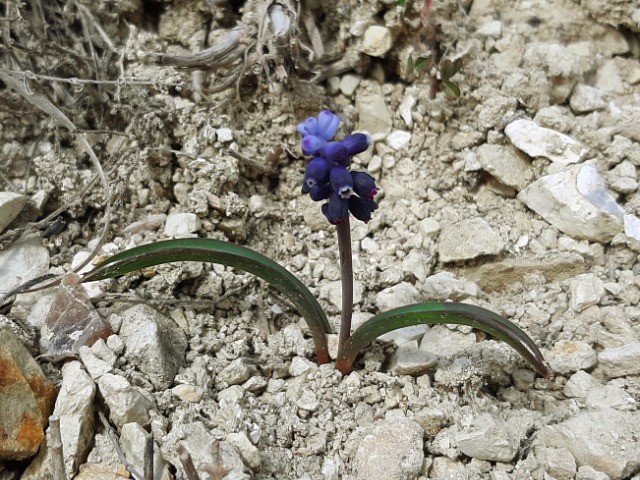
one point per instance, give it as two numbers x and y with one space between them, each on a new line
346 193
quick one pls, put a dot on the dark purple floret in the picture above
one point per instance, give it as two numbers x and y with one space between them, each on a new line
320 192
336 152
361 208
311 144
356 143
317 173
364 185
337 209
341 181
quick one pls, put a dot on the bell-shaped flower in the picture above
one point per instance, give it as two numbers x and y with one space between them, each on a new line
364 185
320 192
341 181
337 209
357 143
361 208
317 173
323 127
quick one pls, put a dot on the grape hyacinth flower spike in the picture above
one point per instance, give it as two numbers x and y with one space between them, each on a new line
328 177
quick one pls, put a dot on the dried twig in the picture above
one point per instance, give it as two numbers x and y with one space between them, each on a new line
148 457
54 443
114 441
187 463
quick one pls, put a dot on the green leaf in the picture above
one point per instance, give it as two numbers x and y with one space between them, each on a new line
401 3
242 258
438 313
451 89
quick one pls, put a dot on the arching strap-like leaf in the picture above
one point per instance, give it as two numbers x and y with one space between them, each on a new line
215 251
438 313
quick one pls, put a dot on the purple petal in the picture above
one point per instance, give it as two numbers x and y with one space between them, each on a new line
311 144
328 123
320 192
357 143
361 208
309 126
341 181
336 210
336 152
317 173
364 185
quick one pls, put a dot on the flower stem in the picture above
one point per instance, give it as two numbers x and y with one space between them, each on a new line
346 271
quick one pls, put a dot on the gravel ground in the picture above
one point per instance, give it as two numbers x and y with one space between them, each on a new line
520 195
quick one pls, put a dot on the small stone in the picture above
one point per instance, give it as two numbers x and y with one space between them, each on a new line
372 111
580 384
406 334
468 239
391 449
398 139
605 439
231 395
150 223
188 393
623 177
396 296
409 359
154 343
181 225
301 366
444 342
26 397
11 204
235 373
490 29
568 356
558 462
22 261
610 396
126 403
308 401
249 452
505 165
576 203
620 361
586 99
348 84
377 41
488 439
585 472
446 286
133 440
537 141
224 135
586 290
405 109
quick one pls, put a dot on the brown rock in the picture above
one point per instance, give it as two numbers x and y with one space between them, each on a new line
26 397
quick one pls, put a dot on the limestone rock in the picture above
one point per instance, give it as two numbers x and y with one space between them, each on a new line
22 261
372 109
468 239
623 177
181 225
390 450
377 41
126 403
26 399
488 439
11 204
398 139
505 165
568 356
396 296
133 439
576 203
605 440
409 359
585 99
249 452
74 408
621 361
235 373
537 141
580 384
154 343
609 396
446 286
586 290
558 462
445 342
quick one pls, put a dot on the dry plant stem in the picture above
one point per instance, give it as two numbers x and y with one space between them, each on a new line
187 463
148 458
54 442
114 441
346 272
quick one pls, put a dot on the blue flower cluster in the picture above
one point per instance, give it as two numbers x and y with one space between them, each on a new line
327 176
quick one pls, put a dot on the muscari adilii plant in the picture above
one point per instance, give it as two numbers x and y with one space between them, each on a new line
328 178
